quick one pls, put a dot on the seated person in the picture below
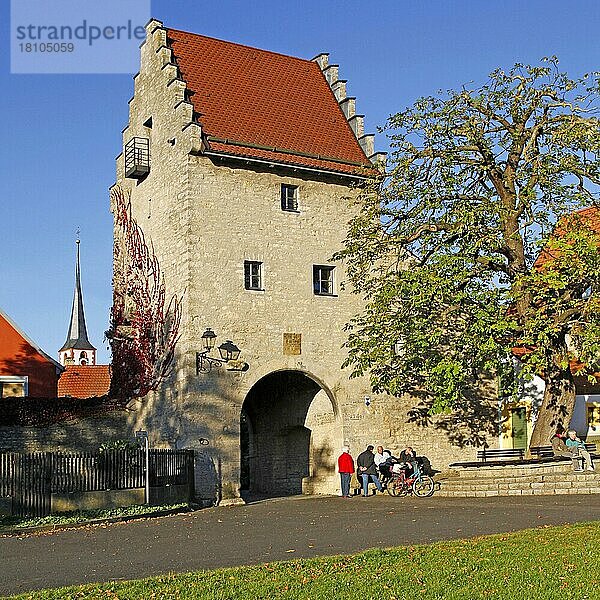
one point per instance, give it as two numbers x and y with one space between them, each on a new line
385 465
409 457
560 448
578 448
378 457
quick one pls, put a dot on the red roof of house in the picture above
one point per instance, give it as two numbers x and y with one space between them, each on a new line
21 356
84 381
265 105
589 217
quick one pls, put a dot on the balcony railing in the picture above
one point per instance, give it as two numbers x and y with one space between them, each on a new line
137 158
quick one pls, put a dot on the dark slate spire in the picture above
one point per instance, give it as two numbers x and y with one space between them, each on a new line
77 336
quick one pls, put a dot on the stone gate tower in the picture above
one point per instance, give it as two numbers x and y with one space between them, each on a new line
242 165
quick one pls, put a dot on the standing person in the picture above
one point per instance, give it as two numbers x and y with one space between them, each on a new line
559 448
367 470
345 469
578 448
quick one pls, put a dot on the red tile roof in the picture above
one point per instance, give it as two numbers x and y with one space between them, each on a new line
265 105
84 381
21 356
589 217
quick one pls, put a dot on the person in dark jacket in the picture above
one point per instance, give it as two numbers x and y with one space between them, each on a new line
345 469
409 457
367 470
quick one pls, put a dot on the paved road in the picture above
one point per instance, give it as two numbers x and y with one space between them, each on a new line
268 531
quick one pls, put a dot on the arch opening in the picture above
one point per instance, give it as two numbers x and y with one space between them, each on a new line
290 433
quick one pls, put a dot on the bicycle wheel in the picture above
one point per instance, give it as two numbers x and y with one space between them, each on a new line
423 487
397 487
393 487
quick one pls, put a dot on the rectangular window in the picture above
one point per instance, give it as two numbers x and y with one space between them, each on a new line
253 275
323 280
13 386
289 197
593 416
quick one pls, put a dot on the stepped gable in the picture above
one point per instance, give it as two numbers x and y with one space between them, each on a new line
84 381
266 106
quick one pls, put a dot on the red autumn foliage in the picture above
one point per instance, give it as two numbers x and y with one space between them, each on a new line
143 329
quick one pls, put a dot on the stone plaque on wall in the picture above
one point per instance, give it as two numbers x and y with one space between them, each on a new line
292 344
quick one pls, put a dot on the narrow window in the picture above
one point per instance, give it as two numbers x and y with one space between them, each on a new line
323 280
289 197
253 275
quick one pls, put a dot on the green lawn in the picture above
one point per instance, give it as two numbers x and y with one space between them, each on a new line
537 564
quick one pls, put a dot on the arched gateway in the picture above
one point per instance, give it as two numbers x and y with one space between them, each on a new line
290 435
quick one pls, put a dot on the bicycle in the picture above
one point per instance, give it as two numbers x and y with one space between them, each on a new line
416 483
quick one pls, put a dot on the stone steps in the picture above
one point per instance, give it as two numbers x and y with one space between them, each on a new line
507 482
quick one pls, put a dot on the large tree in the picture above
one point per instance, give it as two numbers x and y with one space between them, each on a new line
446 246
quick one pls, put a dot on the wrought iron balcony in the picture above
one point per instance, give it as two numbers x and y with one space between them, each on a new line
137 158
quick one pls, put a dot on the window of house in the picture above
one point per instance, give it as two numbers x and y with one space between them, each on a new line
593 416
289 197
253 275
323 284
83 358
13 387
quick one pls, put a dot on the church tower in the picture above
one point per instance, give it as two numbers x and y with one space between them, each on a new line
77 350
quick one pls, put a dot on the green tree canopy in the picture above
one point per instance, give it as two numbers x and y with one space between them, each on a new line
444 247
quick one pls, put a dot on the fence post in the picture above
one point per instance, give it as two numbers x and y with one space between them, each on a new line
191 475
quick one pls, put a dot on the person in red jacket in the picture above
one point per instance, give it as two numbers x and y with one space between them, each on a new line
345 469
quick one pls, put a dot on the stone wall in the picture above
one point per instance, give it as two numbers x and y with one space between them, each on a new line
84 434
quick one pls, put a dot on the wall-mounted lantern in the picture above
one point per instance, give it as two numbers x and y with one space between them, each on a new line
228 351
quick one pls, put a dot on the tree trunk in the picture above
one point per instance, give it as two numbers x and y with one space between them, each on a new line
557 406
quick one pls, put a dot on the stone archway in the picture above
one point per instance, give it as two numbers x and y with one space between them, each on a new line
290 435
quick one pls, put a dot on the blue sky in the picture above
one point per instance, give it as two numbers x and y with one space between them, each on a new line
61 133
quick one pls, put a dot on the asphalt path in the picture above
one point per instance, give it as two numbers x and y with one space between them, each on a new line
268 531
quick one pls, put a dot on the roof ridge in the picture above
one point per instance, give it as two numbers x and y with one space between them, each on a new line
209 37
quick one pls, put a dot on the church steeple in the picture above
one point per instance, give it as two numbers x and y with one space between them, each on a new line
77 350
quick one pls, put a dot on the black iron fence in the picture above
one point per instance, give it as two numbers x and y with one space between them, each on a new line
30 479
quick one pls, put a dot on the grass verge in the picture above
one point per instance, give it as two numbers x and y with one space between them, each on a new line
82 516
537 564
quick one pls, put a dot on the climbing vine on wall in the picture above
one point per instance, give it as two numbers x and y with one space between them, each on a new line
144 328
